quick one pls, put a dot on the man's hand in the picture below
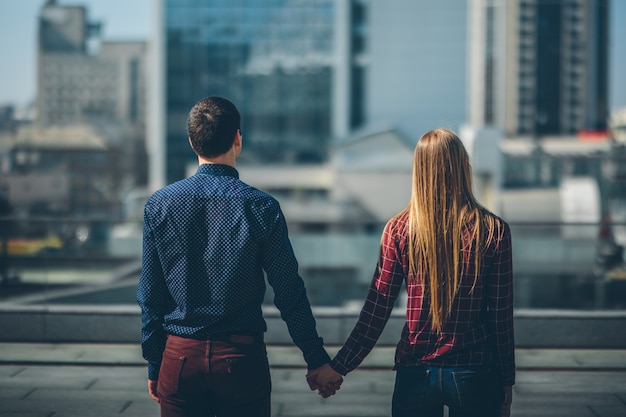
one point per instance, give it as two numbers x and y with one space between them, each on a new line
505 409
324 379
152 390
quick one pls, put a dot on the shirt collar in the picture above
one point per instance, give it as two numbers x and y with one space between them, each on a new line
217 170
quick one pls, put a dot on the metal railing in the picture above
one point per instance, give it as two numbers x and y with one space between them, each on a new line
567 266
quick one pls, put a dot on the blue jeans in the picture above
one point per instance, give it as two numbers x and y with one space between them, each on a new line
424 390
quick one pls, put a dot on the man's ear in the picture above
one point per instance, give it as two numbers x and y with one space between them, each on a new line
237 142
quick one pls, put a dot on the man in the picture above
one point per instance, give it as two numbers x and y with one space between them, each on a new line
207 242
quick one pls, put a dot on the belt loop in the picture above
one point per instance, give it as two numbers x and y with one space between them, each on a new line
440 373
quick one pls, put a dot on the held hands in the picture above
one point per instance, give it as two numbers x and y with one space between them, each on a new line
324 379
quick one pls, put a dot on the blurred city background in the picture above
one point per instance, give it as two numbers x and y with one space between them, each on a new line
334 94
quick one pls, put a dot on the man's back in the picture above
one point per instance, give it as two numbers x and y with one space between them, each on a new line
209 231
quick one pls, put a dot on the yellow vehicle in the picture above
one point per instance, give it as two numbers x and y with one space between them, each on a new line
27 246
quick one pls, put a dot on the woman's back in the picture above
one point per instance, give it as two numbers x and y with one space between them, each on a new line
480 306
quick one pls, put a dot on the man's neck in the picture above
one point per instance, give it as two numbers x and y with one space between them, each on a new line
225 159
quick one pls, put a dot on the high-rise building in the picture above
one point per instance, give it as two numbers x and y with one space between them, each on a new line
288 65
539 67
84 80
305 73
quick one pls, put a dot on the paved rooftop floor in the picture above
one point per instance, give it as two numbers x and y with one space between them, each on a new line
85 380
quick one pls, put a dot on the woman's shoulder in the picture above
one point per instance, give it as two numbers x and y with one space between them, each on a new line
490 217
398 224
495 228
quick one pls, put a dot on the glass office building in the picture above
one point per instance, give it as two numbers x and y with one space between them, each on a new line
280 61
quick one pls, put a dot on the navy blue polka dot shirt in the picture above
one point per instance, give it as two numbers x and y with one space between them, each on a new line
207 241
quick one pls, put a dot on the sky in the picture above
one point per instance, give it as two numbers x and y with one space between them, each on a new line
130 20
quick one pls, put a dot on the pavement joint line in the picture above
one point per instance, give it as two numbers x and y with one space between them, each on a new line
373 367
91 384
28 394
16 373
288 357
124 407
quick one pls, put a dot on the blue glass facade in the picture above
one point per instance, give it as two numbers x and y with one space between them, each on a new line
273 58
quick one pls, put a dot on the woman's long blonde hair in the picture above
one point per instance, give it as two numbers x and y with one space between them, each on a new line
445 220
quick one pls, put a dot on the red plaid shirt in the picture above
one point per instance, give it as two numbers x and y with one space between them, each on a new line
478 332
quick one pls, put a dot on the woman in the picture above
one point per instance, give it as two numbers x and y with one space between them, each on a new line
454 256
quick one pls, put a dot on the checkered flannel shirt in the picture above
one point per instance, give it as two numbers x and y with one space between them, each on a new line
478 332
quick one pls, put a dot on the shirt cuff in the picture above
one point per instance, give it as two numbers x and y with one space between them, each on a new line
153 370
339 367
316 359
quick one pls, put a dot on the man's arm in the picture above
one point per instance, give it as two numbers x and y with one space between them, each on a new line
152 297
280 264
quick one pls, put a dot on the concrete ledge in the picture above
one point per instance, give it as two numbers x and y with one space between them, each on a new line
570 329
121 324
70 324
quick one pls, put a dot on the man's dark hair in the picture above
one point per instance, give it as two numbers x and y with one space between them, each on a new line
212 125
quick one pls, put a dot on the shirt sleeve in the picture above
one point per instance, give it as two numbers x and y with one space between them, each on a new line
281 267
383 292
500 302
152 297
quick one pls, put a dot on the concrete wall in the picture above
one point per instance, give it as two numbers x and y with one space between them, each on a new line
533 328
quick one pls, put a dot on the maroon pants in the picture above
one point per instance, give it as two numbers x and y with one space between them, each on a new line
227 376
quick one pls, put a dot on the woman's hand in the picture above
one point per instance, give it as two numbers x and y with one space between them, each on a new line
505 409
324 379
